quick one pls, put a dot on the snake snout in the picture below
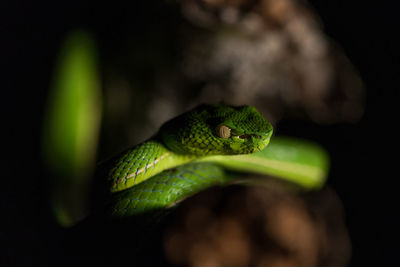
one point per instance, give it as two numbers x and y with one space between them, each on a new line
261 140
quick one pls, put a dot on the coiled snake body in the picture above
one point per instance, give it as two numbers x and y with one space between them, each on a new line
191 152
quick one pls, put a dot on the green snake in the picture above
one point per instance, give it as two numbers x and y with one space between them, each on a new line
194 151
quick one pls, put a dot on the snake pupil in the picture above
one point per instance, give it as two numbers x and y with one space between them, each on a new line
224 131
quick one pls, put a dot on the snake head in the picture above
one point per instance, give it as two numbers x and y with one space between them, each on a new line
217 130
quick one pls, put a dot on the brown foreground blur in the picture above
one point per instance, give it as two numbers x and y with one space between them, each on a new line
258 226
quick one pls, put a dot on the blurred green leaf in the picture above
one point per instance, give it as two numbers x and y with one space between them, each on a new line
71 125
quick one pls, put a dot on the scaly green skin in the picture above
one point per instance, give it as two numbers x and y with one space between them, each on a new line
194 132
297 161
187 155
142 162
165 189
190 136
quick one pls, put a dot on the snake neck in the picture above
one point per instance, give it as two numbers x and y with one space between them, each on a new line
142 162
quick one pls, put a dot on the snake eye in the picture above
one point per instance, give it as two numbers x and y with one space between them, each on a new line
224 131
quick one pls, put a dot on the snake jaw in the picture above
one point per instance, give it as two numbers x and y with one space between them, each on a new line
250 144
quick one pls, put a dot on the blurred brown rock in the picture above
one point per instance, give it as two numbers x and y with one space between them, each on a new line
258 226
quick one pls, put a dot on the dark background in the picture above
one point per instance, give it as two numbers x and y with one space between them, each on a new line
31 33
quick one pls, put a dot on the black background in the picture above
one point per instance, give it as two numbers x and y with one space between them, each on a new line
364 155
